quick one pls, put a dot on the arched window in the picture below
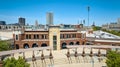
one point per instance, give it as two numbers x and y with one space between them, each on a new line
16 37
71 43
77 43
26 46
34 45
44 45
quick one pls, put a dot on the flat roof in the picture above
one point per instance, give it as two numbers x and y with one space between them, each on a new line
101 34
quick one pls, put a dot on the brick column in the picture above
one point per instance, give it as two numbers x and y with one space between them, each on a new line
1 62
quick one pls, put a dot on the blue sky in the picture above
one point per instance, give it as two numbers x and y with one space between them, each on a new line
65 11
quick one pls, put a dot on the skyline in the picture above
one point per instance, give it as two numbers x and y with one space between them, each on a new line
65 11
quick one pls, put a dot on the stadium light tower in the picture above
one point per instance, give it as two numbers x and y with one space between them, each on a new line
88 9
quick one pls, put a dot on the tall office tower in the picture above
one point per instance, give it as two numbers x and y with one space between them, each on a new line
118 21
49 18
21 21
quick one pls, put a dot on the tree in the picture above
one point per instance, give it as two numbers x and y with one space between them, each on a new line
4 45
12 62
95 28
112 32
113 59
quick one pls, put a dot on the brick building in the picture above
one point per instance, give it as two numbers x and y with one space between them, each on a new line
53 36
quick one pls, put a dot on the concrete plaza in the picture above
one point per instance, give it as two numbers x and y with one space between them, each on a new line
60 59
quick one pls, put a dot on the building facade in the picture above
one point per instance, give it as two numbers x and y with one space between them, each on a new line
9 27
54 37
112 26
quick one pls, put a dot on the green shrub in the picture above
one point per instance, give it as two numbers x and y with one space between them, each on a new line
4 45
12 62
113 59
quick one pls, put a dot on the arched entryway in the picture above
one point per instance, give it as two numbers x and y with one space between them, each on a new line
26 46
71 43
44 45
17 46
63 46
34 45
77 43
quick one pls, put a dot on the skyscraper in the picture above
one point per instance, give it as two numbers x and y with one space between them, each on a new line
21 21
49 18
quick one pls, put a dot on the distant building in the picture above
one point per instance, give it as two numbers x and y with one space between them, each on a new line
69 26
112 26
49 18
21 21
9 27
2 23
118 20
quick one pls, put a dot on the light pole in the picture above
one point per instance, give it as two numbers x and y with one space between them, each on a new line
88 9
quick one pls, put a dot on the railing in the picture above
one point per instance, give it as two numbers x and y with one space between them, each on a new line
92 46
23 50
